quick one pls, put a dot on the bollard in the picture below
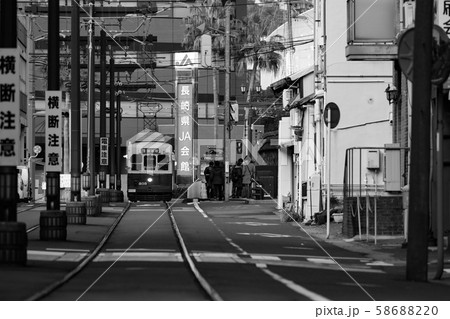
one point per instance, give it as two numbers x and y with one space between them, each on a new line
91 205
104 194
8 193
76 213
13 243
53 225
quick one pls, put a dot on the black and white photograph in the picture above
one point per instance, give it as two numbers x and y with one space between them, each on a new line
285 157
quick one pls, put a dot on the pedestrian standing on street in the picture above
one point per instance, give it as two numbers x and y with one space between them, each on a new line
218 177
208 180
236 177
248 174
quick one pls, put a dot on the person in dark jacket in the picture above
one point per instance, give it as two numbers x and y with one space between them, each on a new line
236 177
208 180
218 178
248 174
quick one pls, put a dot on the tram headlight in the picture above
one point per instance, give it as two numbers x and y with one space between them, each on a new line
149 179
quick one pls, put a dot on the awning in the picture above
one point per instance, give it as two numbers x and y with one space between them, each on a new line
299 102
286 82
299 74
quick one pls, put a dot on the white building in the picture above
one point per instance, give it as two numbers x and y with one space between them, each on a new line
326 73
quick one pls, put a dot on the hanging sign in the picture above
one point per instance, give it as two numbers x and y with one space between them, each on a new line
53 131
9 108
104 151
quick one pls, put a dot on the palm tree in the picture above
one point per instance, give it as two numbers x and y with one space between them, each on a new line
259 52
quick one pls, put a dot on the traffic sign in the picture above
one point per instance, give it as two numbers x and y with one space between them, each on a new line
335 114
440 69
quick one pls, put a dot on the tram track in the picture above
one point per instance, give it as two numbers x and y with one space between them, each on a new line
208 289
83 264
135 246
24 209
52 291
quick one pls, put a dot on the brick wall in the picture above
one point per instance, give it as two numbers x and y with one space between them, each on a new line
389 216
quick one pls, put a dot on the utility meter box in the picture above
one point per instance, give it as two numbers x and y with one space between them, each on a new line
392 174
373 159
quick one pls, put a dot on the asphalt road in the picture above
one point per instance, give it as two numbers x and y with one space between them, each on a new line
242 251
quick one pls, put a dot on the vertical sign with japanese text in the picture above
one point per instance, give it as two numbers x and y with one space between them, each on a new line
104 151
442 19
443 15
9 108
185 132
53 131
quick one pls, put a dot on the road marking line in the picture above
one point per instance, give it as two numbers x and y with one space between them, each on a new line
201 211
264 257
68 249
321 261
140 250
253 223
74 257
139 256
270 235
295 287
46 253
217 257
379 263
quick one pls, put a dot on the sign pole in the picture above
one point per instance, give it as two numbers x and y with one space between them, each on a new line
54 102
10 127
226 130
328 171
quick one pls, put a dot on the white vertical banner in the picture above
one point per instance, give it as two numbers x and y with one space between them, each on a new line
443 15
185 123
9 107
53 131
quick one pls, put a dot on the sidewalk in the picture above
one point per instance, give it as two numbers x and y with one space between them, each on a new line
49 262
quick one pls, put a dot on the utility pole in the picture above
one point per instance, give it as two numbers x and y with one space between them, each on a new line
75 118
226 128
112 97
118 115
103 166
419 198
91 104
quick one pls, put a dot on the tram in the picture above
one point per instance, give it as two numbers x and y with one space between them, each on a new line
150 167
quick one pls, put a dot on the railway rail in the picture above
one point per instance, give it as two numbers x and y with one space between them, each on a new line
111 243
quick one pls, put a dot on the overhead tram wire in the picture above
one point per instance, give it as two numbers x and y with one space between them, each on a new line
150 76
126 52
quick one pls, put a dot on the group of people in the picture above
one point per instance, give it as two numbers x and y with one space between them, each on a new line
242 175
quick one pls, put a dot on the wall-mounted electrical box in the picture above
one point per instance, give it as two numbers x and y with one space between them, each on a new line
392 172
373 159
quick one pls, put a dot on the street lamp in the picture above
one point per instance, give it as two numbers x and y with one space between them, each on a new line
86 181
36 149
243 88
391 94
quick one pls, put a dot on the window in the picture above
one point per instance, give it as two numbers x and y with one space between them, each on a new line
149 162
163 162
372 21
136 162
